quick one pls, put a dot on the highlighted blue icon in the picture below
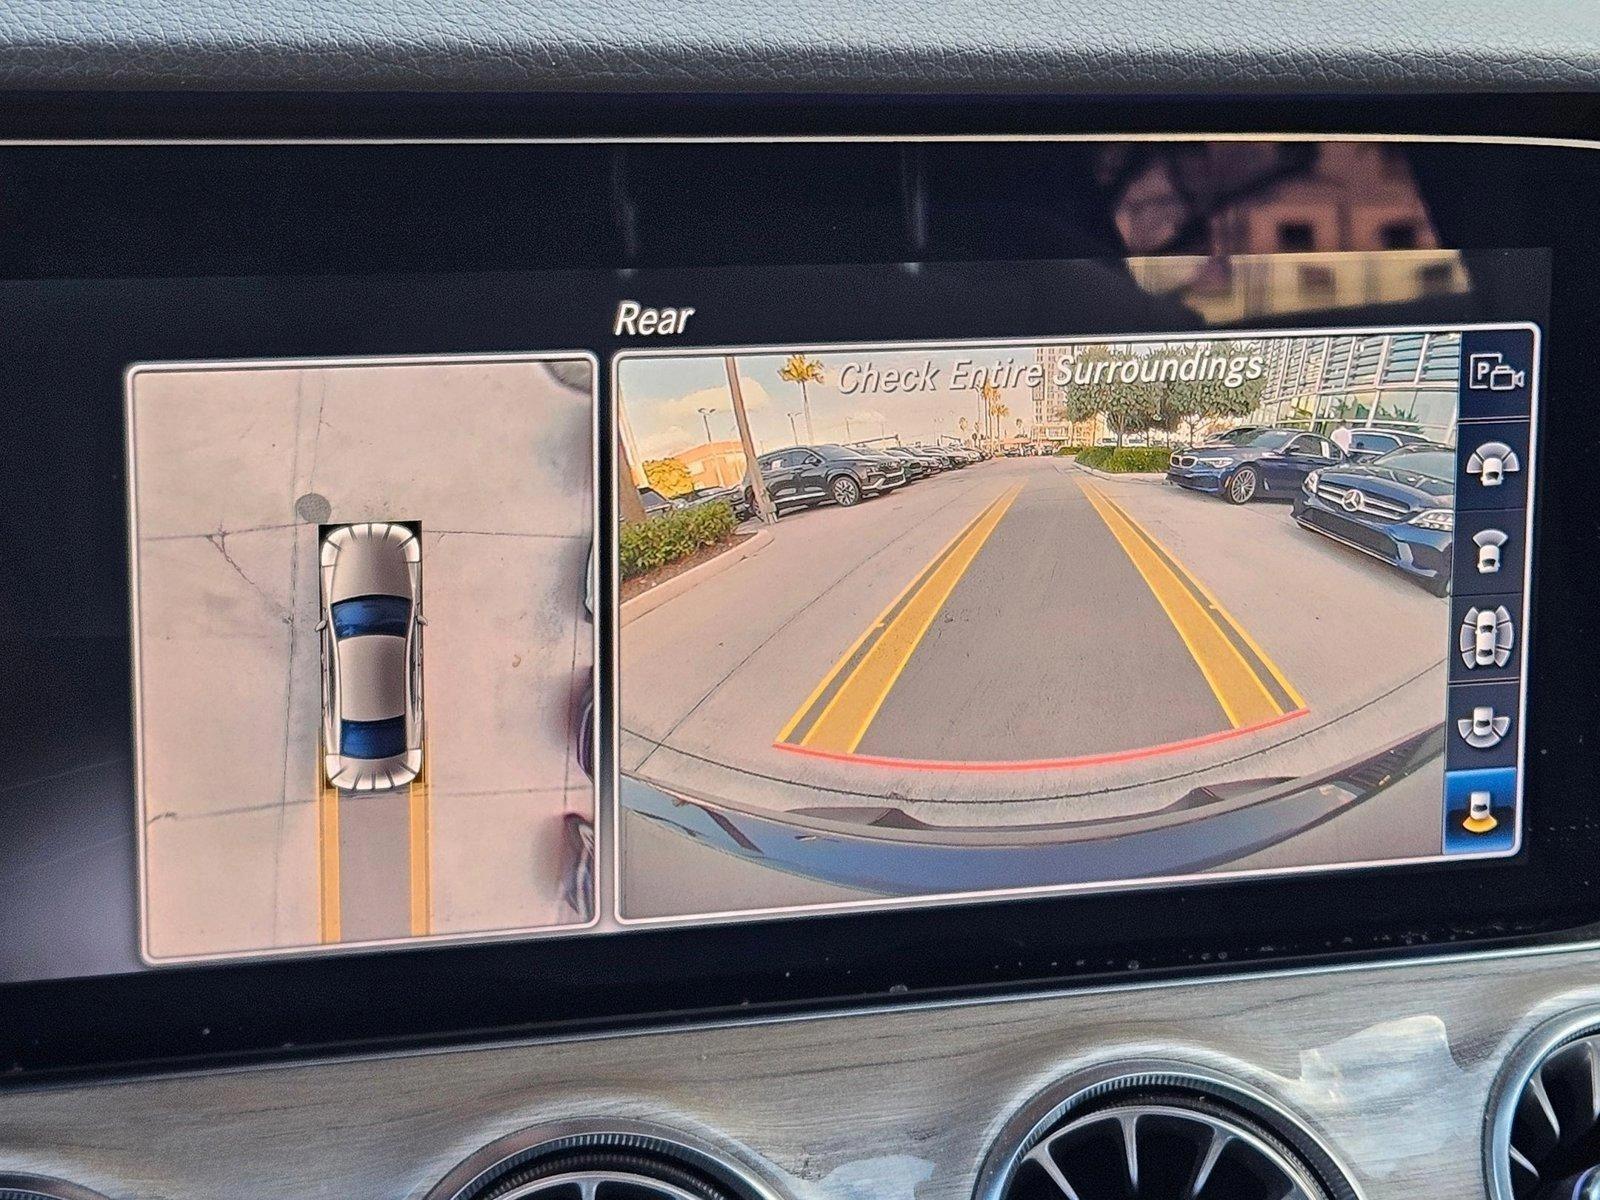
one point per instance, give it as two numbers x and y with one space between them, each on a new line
1480 811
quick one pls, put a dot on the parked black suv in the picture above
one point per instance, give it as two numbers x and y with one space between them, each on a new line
805 475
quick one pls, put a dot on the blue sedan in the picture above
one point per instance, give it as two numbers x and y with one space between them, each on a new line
1399 508
1268 464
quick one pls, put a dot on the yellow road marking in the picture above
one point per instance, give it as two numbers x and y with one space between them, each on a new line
328 850
844 722
421 848
1239 690
1219 611
877 624
1244 634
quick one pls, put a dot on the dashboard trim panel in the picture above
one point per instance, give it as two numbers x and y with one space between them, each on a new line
895 1104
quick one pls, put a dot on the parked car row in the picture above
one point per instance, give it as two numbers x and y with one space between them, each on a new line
1390 495
805 476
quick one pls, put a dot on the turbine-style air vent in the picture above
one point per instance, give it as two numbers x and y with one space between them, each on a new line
1544 1140
37 1187
596 1166
1160 1136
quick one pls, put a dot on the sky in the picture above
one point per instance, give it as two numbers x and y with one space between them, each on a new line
662 396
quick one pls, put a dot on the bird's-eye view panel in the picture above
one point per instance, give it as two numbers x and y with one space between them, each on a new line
360 684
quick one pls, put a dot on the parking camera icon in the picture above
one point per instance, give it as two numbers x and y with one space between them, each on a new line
1488 371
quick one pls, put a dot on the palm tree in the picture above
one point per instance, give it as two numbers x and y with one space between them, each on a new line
991 408
802 370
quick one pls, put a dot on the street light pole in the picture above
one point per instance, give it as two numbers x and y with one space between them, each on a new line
793 432
705 415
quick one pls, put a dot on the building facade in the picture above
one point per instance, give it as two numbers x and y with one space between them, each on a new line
1398 381
1049 422
714 464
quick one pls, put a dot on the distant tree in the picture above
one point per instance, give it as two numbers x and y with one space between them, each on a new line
992 410
1192 401
1125 406
669 477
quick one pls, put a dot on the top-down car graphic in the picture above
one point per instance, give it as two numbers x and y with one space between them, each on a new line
371 627
1487 637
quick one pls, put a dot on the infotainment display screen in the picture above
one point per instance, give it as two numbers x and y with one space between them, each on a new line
904 621
491 611
479 587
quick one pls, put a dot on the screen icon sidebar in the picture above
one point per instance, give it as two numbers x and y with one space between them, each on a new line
1483 723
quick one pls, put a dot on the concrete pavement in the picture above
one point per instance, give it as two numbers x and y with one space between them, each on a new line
233 470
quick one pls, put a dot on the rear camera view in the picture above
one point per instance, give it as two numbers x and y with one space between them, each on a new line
363 655
902 622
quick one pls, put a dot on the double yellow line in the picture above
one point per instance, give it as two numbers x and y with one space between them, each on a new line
840 709
1246 682
419 800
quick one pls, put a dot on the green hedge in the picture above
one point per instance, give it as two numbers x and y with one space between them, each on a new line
1071 449
645 545
1126 460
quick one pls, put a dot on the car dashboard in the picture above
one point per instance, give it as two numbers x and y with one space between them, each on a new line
798 604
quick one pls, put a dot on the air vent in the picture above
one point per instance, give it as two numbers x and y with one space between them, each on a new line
1544 1136
594 1166
37 1187
1159 1135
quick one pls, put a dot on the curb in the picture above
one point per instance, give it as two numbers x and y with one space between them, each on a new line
649 601
1129 476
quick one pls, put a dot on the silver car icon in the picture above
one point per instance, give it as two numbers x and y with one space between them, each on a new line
371 632
1487 637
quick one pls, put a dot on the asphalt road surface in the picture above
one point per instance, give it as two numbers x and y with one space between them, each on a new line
1024 642
1055 556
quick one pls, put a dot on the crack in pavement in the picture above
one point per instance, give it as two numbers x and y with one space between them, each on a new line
288 689
187 537
220 541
